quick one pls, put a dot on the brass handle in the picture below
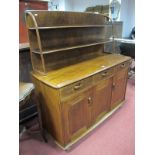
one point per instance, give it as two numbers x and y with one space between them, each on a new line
76 87
123 65
89 100
104 74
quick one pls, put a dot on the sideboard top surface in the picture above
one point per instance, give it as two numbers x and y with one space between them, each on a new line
70 74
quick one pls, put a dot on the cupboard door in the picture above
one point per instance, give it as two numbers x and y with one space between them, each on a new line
76 115
102 98
119 87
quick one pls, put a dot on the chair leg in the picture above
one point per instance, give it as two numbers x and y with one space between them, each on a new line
39 107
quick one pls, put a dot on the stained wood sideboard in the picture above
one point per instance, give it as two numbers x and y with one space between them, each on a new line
77 83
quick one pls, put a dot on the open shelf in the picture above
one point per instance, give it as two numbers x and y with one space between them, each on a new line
80 36
69 26
70 48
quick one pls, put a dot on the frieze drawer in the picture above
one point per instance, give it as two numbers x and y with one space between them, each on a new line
76 87
102 75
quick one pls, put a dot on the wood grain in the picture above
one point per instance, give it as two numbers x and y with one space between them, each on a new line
70 74
50 100
52 31
82 84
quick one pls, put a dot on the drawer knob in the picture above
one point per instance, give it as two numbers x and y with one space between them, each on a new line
104 74
76 87
123 65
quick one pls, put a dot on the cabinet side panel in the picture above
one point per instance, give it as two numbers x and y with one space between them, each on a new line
51 109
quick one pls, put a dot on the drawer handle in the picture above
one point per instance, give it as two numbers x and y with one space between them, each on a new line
104 74
123 65
76 87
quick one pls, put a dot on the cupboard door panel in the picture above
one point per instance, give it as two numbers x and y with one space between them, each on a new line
76 115
119 87
102 98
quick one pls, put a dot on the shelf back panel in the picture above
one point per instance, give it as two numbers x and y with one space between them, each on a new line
55 39
65 58
61 18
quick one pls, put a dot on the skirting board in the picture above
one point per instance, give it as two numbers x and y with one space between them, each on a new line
67 147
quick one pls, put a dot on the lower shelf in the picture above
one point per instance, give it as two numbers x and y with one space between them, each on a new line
67 147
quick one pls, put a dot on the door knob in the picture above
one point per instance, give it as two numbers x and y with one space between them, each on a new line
113 85
104 74
78 86
89 100
123 65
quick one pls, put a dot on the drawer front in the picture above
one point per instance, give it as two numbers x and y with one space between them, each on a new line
76 87
103 75
123 65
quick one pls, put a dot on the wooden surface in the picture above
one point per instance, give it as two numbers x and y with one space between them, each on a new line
119 83
102 98
43 18
73 73
59 31
76 115
70 111
51 109
77 82
89 130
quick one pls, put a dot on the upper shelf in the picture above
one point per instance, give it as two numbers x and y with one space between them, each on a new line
70 48
68 26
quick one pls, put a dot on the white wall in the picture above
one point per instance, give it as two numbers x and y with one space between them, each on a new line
60 3
68 5
127 12
81 5
127 16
